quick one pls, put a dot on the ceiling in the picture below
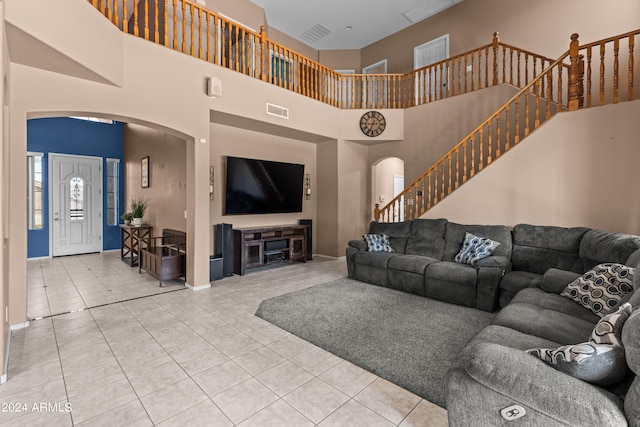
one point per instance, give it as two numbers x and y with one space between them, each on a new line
323 25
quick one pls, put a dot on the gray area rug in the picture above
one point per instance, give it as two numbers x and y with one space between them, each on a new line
403 338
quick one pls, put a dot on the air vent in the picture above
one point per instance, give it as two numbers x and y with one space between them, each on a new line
315 33
278 111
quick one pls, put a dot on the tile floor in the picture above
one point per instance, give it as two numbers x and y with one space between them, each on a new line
185 358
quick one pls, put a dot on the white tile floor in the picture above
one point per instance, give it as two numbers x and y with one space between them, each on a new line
184 358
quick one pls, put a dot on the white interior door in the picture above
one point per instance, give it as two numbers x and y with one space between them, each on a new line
429 53
371 89
76 204
398 187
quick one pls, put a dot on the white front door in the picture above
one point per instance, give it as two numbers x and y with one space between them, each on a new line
76 204
429 53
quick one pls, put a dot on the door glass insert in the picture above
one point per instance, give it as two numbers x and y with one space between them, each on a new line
76 200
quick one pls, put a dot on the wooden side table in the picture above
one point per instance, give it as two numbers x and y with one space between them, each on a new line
130 236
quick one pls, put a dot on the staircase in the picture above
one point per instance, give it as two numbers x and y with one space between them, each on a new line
567 84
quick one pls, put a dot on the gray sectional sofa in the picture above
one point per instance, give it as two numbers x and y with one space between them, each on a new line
524 278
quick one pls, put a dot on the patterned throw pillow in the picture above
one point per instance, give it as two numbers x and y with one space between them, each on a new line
378 243
599 361
475 248
602 288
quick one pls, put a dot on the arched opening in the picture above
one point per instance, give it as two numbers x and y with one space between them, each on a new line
119 145
387 181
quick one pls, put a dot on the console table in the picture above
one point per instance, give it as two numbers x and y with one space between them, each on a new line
260 246
130 242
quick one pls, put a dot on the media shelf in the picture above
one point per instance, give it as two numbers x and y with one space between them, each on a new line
261 246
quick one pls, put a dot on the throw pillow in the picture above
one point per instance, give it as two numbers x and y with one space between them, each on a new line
475 248
602 288
601 360
378 243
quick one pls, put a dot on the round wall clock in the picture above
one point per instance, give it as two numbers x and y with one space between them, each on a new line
372 123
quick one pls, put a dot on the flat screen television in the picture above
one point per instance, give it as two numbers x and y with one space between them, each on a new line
263 187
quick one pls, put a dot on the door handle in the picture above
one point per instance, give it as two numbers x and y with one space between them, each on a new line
56 219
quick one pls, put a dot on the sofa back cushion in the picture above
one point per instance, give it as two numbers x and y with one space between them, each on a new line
598 246
398 233
538 248
427 238
454 237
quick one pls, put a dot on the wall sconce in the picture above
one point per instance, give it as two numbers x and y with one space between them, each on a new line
307 186
210 182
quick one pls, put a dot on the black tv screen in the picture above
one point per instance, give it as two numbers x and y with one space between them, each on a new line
263 186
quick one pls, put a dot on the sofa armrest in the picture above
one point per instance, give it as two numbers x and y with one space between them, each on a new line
495 377
360 245
555 280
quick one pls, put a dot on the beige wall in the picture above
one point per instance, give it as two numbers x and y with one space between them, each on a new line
542 26
243 11
167 191
4 197
238 142
341 59
576 170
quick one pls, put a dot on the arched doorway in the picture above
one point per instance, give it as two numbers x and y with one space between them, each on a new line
387 181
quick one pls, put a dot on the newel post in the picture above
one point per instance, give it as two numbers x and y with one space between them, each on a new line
494 44
576 74
263 63
376 212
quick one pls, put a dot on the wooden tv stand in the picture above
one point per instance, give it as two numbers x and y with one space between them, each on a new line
260 246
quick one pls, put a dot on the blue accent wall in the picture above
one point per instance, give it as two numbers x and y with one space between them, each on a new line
78 137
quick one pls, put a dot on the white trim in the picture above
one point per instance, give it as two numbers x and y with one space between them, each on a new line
19 326
41 257
437 39
4 377
376 65
349 71
222 15
198 288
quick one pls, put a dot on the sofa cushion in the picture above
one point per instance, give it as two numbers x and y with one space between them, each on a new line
374 259
514 281
391 229
544 323
455 233
631 342
474 248
555 280
554 302
378 243
433 248
600 246
602 288
411 263
428 228
452 272
538 248
601 360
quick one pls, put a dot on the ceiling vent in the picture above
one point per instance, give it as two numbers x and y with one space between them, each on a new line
315 33
278 111
427 9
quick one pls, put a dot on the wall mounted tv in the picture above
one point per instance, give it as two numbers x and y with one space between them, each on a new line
263 187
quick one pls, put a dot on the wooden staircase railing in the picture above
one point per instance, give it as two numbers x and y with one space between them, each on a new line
196 31
559 87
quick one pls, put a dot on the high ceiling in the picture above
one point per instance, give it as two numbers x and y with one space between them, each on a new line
346 24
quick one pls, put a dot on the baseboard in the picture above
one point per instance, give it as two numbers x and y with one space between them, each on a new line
197 288
4 377
39 258
19 326
330 257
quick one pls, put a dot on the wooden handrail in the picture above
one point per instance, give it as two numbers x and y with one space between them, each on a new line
194 30
510 123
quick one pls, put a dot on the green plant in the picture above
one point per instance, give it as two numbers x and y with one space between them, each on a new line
127 216
139 206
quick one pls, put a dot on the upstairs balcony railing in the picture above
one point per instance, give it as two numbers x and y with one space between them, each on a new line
566 84
191 29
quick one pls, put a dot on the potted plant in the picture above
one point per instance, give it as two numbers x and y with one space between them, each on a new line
127 217
139 206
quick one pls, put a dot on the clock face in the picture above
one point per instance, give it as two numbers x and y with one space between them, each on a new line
372 123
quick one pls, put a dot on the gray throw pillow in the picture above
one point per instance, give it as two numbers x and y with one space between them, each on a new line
601 360
475 248
378 243
602 288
